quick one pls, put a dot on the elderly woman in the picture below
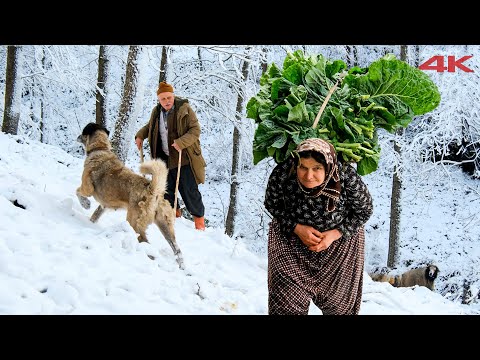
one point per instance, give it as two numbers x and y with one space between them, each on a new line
316 237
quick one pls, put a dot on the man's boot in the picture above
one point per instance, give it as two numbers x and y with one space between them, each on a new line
199 223
178 212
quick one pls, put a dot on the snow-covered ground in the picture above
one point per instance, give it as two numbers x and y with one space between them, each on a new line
53 260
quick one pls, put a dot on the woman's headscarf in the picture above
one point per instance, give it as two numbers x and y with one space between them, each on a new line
331 187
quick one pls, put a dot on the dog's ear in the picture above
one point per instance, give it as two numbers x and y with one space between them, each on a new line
90 128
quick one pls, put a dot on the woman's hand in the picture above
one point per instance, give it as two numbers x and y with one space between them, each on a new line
308 234
328 237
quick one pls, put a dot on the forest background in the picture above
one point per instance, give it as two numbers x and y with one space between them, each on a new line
49 93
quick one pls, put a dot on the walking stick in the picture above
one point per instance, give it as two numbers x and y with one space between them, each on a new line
141 157
178 179
141 153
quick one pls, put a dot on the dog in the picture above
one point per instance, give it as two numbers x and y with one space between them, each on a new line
423 276
115 186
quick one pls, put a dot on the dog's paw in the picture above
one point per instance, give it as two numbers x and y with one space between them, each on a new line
85 202
180 262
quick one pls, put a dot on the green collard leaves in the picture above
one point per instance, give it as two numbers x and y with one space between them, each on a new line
387 95
398 91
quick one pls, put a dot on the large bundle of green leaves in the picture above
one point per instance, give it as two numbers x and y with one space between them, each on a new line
387 94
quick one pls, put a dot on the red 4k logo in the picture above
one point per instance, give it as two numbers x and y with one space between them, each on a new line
439 62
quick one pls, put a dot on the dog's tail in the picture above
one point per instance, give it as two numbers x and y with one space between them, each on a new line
159 172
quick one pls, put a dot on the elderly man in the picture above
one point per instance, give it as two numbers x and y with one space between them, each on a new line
173 126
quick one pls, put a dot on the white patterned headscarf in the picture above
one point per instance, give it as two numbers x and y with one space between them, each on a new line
331 187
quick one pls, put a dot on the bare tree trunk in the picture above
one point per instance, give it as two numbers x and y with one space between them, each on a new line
13 91
352 55
232 208
395 211
101 106
163 65
395 202
199 53
42 105
264 64
121 141
42 120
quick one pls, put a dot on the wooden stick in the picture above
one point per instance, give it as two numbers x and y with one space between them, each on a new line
178 179
317 118
141 158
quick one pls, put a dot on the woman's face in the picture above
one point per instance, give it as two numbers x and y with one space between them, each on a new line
310 173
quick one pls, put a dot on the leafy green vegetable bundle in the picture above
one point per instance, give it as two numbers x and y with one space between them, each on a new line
356 103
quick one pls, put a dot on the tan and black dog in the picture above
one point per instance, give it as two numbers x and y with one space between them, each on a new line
115 186
423 276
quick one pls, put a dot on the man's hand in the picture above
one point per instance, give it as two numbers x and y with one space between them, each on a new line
176 146
139 142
